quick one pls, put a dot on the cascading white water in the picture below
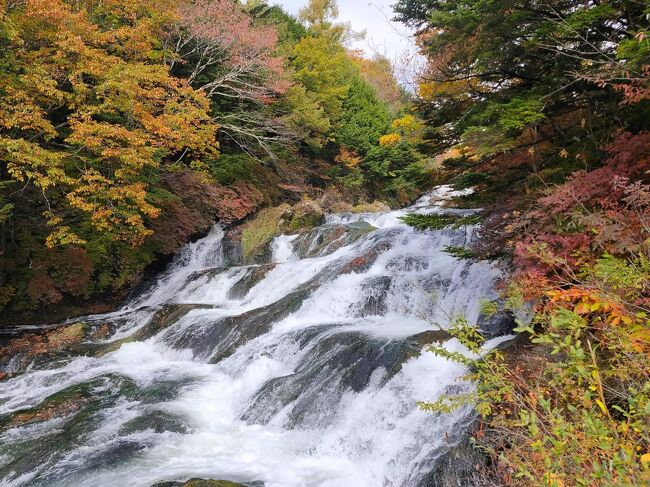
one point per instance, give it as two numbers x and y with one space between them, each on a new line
304 371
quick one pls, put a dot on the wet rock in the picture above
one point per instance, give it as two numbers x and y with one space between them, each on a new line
257 234
254 274
165 317
216 339
76 410
303 216
210 273
207 483
55 408
157 420
365 261
417 342
102 328
234 331
246 277
232 248
336 364
73 415
161 391
408 263
315 242
101 332
115 453
429 337
20 352
460 465
497 324
219 338
329 238
375 292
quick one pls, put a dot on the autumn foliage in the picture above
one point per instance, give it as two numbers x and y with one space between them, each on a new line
542 109
84 116
129 127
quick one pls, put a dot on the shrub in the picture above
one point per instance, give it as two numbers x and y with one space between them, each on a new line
578 411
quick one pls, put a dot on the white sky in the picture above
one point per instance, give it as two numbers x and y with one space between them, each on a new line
385 37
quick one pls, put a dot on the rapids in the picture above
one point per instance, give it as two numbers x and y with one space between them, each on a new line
301 371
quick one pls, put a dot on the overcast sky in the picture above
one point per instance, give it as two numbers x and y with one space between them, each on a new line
374 16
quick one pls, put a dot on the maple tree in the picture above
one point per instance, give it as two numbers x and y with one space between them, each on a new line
128 126
89 120
222 52
81 120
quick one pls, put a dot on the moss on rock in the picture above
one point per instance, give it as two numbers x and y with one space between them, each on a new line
329 238
304 216
66 335
374 207
258 232
18 353
272 222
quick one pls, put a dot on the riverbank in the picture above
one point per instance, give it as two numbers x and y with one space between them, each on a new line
300 209
302 366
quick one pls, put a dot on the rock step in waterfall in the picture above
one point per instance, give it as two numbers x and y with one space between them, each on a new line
304 370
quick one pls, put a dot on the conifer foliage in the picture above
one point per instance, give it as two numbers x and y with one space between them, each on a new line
129 126
543 108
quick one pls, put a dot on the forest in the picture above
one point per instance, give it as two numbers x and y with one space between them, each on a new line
544 108
129 127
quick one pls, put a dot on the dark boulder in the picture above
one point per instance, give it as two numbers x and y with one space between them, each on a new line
462 465
498 324
208 483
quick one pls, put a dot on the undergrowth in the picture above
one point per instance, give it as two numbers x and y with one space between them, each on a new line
574 409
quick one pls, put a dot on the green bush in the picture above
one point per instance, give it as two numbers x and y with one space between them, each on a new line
574 409
235 167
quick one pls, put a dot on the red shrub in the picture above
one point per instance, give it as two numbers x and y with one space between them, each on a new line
592 213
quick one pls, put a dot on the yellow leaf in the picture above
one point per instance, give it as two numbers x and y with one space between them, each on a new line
602 406
645 460
390 139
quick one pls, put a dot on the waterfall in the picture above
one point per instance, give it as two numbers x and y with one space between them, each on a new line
301 371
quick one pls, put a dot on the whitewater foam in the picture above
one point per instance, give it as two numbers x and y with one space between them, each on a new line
309 376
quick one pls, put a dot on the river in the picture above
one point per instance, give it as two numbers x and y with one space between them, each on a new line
304 370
